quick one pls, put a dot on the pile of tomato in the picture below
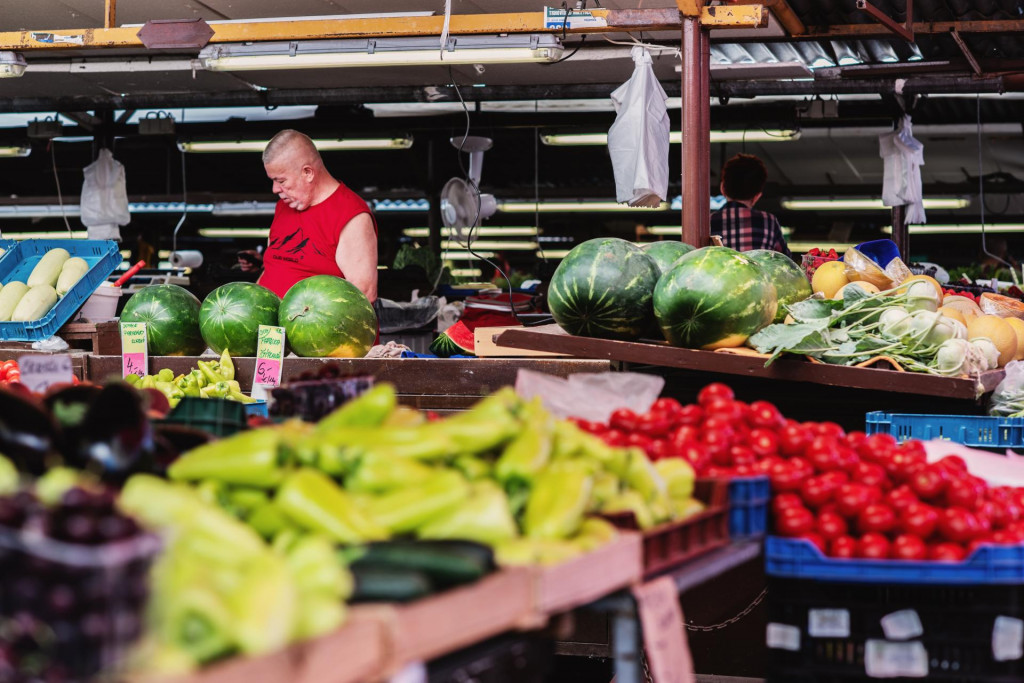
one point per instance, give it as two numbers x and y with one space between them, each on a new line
9 372
850 494
967 295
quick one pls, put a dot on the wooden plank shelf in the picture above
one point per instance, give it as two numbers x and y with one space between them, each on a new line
553 338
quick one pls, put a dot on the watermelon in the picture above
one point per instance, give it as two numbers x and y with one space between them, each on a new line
171 314
790 282
231 315
603 288
713 298
457 340
666 252
327 316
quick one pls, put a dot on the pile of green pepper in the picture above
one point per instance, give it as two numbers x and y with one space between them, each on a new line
209 379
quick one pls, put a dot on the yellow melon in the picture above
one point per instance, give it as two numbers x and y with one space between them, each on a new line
999 331
926 278
862 284
968 309
1018 326
953 312
829 278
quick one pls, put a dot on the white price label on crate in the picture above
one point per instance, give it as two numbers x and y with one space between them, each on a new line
783 637
39 373
828 623
883 659
902 625
1008 639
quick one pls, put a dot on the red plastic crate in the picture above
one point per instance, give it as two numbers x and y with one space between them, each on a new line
669 545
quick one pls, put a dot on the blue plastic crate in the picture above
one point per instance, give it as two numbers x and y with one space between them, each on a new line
800 559
257 409
103 258
748 506
978 431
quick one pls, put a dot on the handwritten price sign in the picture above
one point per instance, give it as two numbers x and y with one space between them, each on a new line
134 349
664 639
269 356
39 373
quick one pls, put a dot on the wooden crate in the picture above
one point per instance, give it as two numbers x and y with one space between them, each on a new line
441 624
484 345
100 339
352 654
616 565
270 668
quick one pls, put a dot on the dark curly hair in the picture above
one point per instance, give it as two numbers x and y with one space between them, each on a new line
743 177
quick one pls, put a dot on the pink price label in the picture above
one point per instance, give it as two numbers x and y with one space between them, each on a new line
133 364
268 372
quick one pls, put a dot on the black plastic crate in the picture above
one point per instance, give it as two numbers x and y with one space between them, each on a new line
955 642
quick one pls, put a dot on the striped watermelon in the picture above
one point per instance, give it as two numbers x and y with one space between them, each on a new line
171 314
789 279
666 252
713 298
603 288
231 315
327 316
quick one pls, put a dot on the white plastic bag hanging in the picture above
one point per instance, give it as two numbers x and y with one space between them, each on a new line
903 157
638 140
104 204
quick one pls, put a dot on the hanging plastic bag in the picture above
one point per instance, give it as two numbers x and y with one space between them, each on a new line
903 157
1008 398
104 204
638 141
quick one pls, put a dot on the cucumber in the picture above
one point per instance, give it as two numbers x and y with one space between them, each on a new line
35 304
48 269
377 584
70 273
10 295
445 563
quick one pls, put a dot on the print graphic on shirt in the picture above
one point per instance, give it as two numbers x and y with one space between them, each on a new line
300 235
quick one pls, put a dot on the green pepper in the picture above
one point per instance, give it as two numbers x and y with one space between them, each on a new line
239 396
189 386
148 382
212 376
484 517
311 500
369 409
198 621
488 425
213 492
473 468
594 533
227 366
631 501
318 615
8 476
410 508
316 568
265 607
53 484
249 458
267 520
132 379
218 390
678 476
559 499
529 452
245 499
200 378
165 375
606 487
421 443
375 473
642 477
169 390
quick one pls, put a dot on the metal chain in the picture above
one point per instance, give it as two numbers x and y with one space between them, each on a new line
646 669
729 622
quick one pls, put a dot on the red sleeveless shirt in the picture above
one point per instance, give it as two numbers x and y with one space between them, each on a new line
304 243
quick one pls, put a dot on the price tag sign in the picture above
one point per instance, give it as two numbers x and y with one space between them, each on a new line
39 373
269 356
661 617
134 349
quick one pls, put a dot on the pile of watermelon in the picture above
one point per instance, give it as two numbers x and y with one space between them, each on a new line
322 316
707 298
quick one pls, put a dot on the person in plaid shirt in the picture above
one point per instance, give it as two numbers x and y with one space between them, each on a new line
740 226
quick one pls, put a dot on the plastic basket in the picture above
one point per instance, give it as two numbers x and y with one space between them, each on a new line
103 258
257 409
73 608
842 637
216 416
748 506
979 431
6 245
800 559
668 545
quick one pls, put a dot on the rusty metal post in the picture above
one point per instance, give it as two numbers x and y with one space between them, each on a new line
696 119
900 232
110 14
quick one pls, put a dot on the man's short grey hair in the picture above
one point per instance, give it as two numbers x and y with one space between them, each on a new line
289 139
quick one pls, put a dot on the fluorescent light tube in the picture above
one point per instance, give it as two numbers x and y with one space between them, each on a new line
12 64
676 137
45 235
677 230
496 231
553 253
867 204
511 245
466 272
466 256
350 144
15 151
234 232
571 206
959 229
804 247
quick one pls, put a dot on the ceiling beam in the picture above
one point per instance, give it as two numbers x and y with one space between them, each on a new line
873 30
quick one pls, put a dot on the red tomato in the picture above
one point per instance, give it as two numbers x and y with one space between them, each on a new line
878 447
794 438
870 474
900 498
639 440
717 442
909 547
838 477
733 411
741 455
919 520
823 453
13 375
831 526
785 500
817 540
915 449
1005 537
853 497
830 430
963 492
714 471
844 547
765 415
788 475
901 466
794 521
763 442
666 405
655 423
929 482
876 517
624 420
684 435
817 491
690 415
958 525
1007 512
745 470
873 546
696 455
855 440
718 422
715 391
615 437
953 462
946 552
661 448
6 367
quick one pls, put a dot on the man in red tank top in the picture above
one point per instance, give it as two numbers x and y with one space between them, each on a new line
320 226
